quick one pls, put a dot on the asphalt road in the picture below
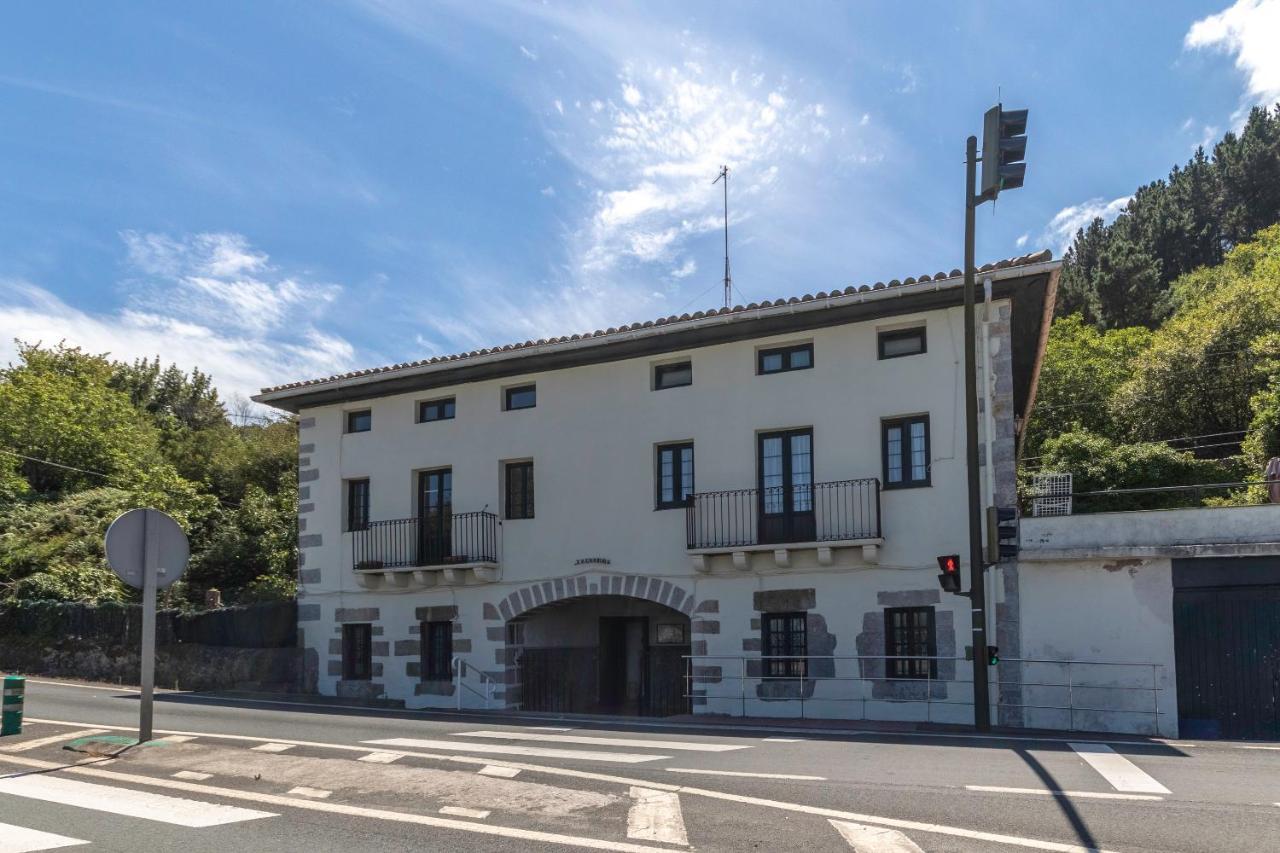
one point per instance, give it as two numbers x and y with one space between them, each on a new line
250 776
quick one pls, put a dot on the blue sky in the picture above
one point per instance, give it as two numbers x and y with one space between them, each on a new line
276 191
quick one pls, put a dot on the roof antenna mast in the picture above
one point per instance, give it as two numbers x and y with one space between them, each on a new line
728 280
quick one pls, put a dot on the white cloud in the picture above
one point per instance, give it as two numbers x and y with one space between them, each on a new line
1249 29
559 105
1022 241
1062 229
688 268
865 120
528 54
548 191
204 300
631 95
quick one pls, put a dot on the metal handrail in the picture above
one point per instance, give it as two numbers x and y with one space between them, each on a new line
459 667
463 537
810 512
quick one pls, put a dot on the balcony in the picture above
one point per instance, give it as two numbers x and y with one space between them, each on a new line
432 550
783 519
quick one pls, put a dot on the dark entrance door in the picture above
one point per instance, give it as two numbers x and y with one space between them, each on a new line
624 664
435 516
785 468
1226 623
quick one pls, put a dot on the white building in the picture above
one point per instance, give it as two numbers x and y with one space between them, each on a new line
733 512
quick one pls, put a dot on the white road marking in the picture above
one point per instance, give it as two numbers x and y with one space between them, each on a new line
581 755
499 771
1122 773
192 775
550 729
458 811
273 747
1254 746
340 808
177 738
381 757
125 801
19 839
655 816
747 775
784 739
313 793
1093 795
23 746
874 839
635 743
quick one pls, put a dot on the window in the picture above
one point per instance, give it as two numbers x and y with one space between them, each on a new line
906 452
519 489
521 397
357 652
437 650
515 632
785 642
910 643
357 504
782 359
672 375
435 410
675 474
361 421
900 342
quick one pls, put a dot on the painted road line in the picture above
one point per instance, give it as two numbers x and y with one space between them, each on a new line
1122 773
655 816
550 729
272 747
177 738
192 775
381 757
745 775
49 741
277 800
494 749
784 739
1046 792
459 811
874 839
19 839
634 743
499 771
313 793
125 801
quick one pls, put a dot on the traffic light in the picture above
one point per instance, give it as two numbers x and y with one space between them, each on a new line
1004 150
1002 534
993 655
949 580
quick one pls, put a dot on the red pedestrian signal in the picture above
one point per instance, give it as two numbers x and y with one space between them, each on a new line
949 580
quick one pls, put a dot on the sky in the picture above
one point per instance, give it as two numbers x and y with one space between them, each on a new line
273 191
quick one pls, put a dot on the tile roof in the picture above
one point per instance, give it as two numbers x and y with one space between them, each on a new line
1024 260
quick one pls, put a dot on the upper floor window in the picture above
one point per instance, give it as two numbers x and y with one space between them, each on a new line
910 642
672 375
899 342
906 452
520 397
435 410
782 359
361 421
519 490
675 474
784 644
357 504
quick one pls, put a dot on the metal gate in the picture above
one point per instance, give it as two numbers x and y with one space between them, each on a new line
1226 619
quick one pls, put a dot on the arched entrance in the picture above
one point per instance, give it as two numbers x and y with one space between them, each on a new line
601 654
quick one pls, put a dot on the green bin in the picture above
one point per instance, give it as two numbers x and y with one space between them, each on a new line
11 709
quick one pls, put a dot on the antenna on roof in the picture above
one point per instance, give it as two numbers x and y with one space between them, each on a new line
728 280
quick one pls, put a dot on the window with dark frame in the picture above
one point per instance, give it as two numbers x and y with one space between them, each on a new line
783 359
674 475
437 650
357 504
520 397
361 421
905 451
436 410
672 375
901 342
785 642
910 643
519 491
357 652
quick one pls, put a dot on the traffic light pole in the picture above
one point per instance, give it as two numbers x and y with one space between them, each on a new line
977 585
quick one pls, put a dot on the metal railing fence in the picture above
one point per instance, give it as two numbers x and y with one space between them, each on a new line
811 512
459 667
463 537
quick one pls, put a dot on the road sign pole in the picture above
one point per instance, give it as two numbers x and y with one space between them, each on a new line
151 559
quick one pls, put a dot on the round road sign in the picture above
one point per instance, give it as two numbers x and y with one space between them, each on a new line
127 551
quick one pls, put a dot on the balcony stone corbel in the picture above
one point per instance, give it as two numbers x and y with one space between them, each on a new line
824 556
488 574
425 579
781 558
740 561
450 577
396 580
369 580
871 553
701 564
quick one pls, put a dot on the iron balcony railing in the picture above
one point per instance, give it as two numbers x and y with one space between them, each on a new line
813 512
432 540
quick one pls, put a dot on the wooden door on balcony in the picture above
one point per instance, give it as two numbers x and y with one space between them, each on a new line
435 516
785 504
